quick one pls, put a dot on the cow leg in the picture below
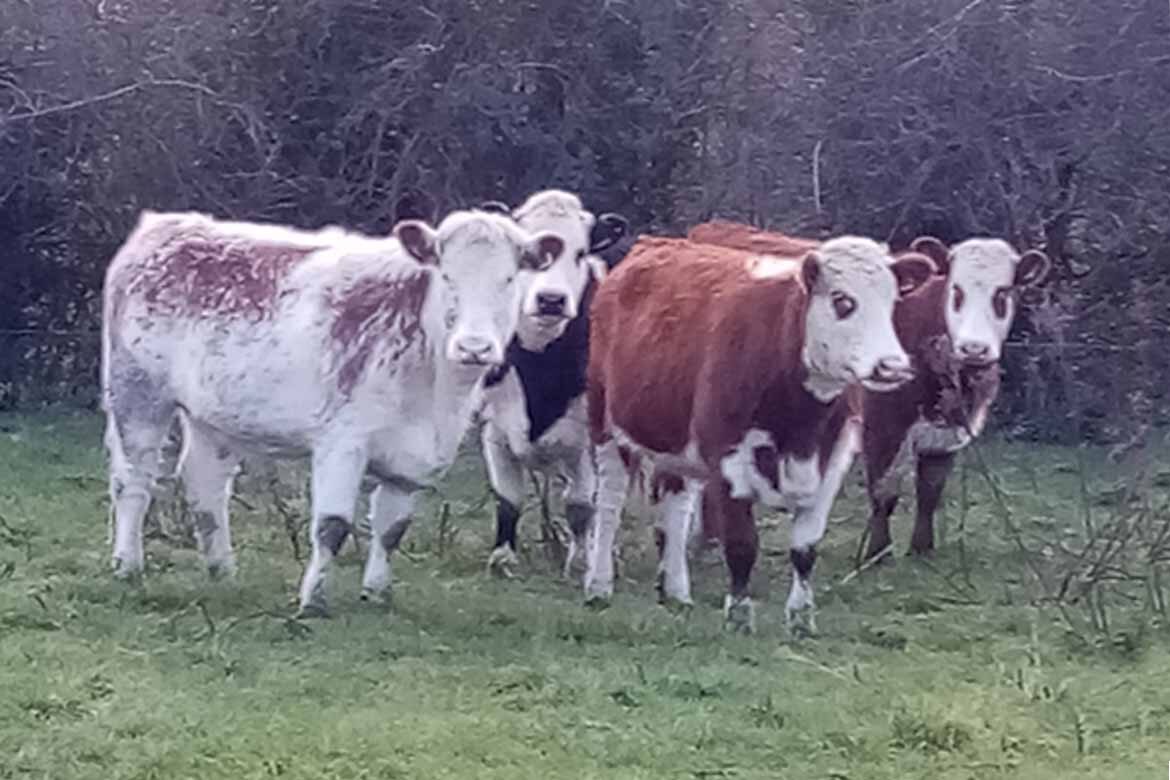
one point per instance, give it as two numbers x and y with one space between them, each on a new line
580 487
134 439
208 470
613 482
808 529
336 482
506 475
678 515
391 512
741 546
933 470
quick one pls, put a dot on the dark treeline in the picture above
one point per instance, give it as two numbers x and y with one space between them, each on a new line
1044 121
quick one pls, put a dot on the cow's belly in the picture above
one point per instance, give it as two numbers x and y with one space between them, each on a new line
506 413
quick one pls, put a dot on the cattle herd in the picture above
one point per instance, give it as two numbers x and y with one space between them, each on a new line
729 367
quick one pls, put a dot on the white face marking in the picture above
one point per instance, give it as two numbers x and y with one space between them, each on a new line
849 330
979 302
480 270
553 295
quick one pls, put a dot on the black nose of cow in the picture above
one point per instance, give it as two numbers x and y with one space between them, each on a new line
551 304
975 351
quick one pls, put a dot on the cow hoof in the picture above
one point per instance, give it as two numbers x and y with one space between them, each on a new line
127 572
503 563
375 597
801 623
597 602
221 570
315 606
739 614
677 605
921 550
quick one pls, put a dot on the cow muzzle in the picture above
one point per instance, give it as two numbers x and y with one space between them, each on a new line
976 353
889 373
476 351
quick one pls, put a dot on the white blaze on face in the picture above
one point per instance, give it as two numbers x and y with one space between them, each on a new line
482 259
554 295
853 285
980 302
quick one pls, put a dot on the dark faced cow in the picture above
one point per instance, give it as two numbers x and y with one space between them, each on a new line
953 327
367 354
534 404
731 367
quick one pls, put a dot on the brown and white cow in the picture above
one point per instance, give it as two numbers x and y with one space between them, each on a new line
367 354
730 367
953 327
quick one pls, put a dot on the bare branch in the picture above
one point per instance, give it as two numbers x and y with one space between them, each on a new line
108 96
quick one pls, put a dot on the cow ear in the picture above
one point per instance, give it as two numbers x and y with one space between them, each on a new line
495 207
1032 268
607 231
419 239
542 250
810 270
936 250
912 271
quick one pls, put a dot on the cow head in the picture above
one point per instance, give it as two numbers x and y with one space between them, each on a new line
984 276
852 285
554 295
479 260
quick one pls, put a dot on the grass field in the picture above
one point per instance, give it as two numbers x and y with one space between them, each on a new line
921 670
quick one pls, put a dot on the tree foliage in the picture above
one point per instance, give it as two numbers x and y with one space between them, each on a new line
1044 121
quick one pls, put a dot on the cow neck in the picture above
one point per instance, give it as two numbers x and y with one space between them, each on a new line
551 378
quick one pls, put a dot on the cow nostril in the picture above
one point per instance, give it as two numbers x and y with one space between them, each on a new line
551 303
974 349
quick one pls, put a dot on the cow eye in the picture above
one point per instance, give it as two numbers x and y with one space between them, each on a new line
999 301
843 305
958 299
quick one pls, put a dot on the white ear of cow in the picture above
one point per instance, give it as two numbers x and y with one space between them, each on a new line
541 251
419 240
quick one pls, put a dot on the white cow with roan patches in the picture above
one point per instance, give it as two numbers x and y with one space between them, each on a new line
366 354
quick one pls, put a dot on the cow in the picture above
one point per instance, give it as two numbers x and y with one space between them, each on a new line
730 368
953 327
534 404
366 354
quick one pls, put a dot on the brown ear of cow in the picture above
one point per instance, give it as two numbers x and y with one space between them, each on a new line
936 250
419 240
542 251
912 271
1032 268
810 270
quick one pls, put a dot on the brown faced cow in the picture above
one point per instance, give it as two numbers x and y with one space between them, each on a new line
727 366
954 328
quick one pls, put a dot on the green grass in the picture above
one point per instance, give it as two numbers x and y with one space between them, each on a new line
916 673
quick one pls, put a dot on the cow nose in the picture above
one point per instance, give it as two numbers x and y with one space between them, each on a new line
474 349
551 304
974 351
893 369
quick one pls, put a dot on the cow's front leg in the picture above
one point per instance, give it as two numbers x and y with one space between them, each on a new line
580 488
808 529
506 475
390 515
337 476
613 483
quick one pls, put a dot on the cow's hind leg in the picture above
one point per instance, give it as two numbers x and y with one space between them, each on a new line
134 439
741 546
208 469
337 476
613 483
580 488
506 475
678 516
933 470
390 515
